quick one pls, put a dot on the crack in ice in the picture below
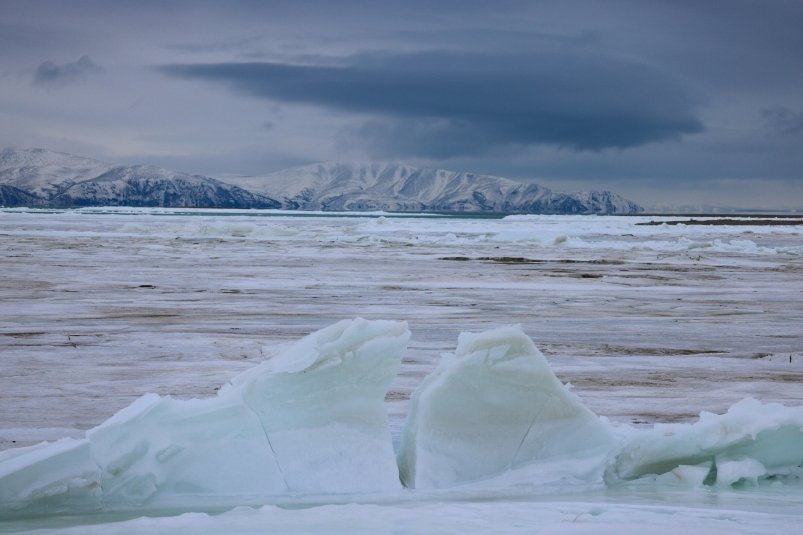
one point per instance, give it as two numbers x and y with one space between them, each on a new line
527 433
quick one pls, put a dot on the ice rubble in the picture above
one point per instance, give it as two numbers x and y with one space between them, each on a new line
493 406
311 421
751 443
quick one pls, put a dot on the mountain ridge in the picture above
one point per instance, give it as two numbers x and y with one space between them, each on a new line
37 177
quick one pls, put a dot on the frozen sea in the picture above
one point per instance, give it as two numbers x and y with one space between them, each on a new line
648 323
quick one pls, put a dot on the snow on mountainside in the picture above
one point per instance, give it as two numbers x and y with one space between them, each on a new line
39 177
152 186
44 173
395 187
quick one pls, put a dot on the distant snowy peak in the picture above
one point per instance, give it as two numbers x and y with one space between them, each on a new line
398 187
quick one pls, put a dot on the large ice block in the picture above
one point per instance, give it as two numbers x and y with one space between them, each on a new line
310 420
492 407
322 407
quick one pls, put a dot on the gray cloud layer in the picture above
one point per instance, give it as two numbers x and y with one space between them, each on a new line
783 121
50 75
549 90
442 104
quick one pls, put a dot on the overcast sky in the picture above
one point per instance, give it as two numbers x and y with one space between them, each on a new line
674 103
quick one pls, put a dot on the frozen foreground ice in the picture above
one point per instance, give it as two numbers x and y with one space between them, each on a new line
308 427
312 420
493 407
649 325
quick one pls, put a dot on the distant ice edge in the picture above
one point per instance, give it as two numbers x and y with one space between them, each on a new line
311 421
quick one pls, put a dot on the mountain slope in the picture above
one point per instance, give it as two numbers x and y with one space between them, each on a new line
13 196
45 173
152 186
39 177
396 187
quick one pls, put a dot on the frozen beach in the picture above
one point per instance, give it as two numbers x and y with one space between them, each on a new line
647 323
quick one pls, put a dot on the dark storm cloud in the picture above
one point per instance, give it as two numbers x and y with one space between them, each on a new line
50 75
443 103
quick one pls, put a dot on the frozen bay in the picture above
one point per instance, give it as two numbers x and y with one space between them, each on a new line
648 323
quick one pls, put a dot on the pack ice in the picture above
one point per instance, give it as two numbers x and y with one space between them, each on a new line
311 420
494 406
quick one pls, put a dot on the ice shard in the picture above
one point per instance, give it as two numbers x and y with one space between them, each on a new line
491 407
322 407
310 420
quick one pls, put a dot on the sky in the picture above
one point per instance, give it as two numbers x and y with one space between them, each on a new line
684 103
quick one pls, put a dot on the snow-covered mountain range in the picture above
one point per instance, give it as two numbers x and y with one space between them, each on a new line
398 187
38 177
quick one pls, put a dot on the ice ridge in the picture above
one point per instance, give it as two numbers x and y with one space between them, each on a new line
311 422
